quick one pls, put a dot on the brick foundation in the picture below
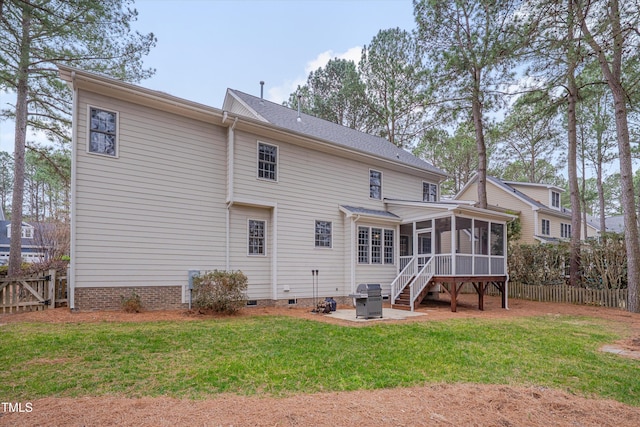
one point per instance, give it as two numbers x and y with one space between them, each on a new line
152 297
168 298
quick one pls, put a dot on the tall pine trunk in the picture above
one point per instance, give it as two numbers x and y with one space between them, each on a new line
482 149
611 67
574 190
15 248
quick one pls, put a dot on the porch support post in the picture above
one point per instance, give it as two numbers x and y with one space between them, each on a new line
454 296
480 290
454 249
414 253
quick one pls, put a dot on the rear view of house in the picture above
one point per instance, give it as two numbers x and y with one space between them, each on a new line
305 208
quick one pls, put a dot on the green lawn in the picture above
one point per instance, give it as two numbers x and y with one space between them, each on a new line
282 356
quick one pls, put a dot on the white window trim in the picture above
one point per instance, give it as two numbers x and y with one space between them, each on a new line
381 184
542 227
88 140
437 190
551 193
330 237
23 233
258 161
266 234
382 246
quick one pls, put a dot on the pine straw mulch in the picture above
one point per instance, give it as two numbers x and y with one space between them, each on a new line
437 405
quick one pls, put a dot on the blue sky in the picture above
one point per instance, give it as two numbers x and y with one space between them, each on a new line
207 46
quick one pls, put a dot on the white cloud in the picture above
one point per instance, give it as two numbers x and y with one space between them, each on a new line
281 92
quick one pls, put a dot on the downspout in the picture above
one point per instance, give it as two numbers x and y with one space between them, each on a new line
71 274
230 180
353 251
274 255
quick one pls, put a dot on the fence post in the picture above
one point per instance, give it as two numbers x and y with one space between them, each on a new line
52 287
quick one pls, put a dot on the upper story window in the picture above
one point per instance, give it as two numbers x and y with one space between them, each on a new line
103 132
375 184
429 192
546 227
267 161
323 234
555 199
27 231
257 234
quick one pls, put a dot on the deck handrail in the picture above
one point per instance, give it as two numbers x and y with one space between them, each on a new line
403 278
421 280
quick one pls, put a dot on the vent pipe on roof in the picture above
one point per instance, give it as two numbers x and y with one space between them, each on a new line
261 91
299 102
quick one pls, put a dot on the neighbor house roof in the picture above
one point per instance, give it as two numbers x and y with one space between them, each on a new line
287 118
615 223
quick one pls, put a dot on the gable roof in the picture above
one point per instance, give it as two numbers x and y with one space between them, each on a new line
287 118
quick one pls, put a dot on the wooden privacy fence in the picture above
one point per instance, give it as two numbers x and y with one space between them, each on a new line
33 293
614 298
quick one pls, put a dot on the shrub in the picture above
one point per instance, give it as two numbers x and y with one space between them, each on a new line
220 291
538 264
132 303
604 263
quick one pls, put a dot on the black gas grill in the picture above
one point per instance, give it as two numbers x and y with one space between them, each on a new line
368 299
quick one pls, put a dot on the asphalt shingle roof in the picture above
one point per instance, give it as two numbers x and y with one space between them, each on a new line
370 212
287 118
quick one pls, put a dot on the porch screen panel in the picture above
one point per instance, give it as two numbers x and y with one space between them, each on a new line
481 236
497 239
463 235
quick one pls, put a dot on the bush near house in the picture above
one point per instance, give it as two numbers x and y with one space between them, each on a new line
220 291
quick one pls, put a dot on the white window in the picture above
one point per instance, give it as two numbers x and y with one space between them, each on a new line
429 192
27 231
565 231
375 246
389 257
256 235
375 184
323 234
545 227
555 199
103 132
267 161
363 245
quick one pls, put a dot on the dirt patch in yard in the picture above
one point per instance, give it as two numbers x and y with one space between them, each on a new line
445 405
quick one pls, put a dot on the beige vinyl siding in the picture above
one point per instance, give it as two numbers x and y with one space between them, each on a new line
155 212
311 186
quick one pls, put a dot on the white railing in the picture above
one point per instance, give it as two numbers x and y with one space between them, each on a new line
420 282
403 278
404 260
442 265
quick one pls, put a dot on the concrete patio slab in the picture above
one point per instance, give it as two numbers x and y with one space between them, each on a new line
387 314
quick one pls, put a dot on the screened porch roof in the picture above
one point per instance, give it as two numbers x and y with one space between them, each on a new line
410 210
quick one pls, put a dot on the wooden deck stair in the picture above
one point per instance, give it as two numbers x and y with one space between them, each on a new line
403 302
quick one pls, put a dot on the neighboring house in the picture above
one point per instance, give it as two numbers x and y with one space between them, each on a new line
539 206
162 186
32 250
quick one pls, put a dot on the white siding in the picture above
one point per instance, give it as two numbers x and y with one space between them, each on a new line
157 210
